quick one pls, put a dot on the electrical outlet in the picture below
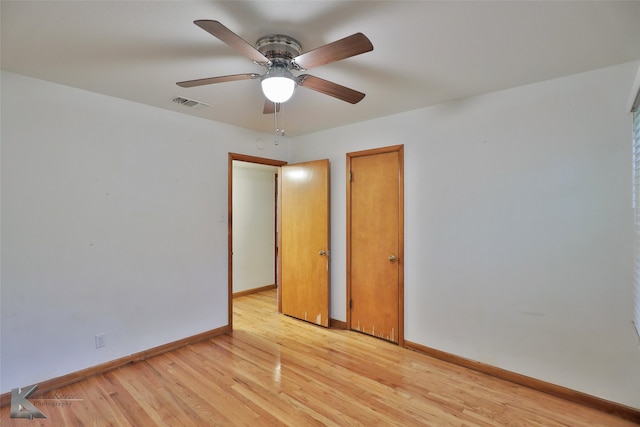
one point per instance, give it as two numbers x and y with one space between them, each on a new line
101 340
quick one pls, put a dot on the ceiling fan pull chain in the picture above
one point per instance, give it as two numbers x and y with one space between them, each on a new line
275 122
281 130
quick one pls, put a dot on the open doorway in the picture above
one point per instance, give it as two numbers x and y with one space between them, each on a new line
252 225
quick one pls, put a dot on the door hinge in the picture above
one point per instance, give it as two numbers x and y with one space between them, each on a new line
350 176
350 304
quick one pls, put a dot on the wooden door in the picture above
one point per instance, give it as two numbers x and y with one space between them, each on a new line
375 243
304 241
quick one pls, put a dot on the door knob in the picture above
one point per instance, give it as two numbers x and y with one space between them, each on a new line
392 258
322 253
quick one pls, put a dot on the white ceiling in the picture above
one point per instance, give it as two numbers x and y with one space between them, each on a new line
425 52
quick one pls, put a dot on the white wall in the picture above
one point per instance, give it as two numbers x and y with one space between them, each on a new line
518 238
518 227
110 224
253 226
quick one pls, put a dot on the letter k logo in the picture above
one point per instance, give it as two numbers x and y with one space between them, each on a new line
21 407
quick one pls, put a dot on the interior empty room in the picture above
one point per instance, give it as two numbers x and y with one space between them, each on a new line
439 227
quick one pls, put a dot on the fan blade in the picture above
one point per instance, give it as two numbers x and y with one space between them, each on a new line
330 88
233 40
344 48
221 79
270 107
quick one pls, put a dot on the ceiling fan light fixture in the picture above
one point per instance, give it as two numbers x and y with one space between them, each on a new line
278 84
280 54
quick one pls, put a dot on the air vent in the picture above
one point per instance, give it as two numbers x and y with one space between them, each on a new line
191 103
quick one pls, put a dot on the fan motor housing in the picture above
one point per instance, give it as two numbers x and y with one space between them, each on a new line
279 48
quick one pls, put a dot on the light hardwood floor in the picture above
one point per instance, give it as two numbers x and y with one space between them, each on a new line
275 370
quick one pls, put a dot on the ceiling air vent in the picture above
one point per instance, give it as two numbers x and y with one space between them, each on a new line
191 103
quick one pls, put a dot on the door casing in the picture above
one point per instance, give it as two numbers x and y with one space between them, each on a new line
249 159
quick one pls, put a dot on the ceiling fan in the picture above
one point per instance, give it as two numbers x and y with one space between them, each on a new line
280 54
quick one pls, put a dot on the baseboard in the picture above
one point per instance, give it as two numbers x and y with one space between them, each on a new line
337 324
55 383
600 404
253 291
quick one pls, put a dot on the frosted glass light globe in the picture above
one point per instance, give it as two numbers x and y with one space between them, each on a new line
278 84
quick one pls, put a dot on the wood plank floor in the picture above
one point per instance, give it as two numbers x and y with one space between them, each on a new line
275 370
